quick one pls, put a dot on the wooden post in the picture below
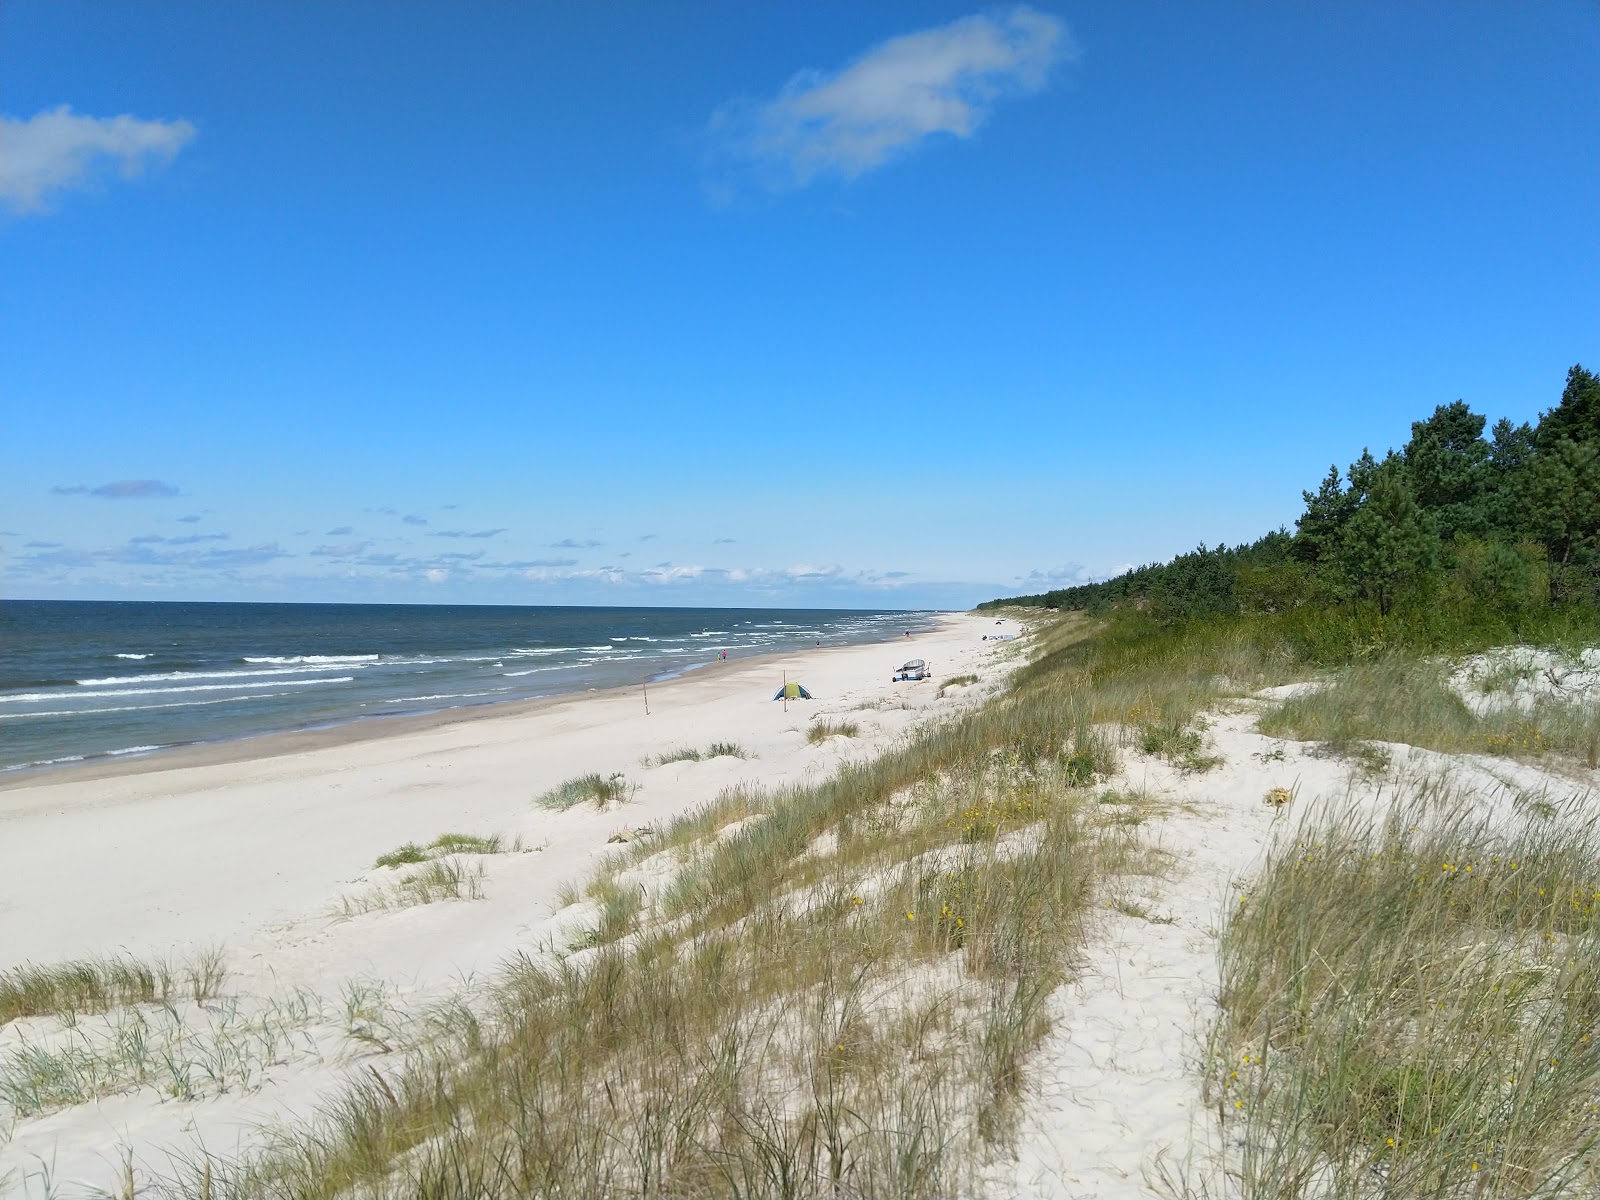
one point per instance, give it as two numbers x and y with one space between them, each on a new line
786 691
645 684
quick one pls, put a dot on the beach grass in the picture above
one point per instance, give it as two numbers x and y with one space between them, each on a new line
1411 1007
957 681
403 856
602 791
443 878
1408 699
834 989
837 987
95 985
753 1054
820 731
412 854
474 843
691 754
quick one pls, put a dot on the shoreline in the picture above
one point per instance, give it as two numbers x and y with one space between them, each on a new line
268 862
368 727
217 844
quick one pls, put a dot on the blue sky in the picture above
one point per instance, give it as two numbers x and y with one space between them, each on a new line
887 305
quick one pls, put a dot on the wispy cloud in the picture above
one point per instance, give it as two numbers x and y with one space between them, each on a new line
122 489
769 579
59 149
189 539
339 531
341 550
466 533
1068 575
247 556
846 122
154 552
414 519
575 544
723 542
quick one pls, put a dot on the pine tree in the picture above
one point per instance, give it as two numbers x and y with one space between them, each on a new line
1446 461
1578 415
1564 502
1391 546
1317 531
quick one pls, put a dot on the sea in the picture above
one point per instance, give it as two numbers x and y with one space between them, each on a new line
82 680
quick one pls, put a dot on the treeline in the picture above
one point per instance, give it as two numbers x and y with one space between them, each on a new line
1504 527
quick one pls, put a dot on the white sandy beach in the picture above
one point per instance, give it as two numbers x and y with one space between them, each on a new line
254 855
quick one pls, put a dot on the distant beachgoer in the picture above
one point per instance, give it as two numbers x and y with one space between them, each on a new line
908 633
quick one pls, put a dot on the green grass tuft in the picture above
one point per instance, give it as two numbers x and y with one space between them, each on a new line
690 754
957 681
821 731
468 843
600 791
404 856
97 985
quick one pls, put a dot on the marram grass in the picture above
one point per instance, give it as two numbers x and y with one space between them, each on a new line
1412 1008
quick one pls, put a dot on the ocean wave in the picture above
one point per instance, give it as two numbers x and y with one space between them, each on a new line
72 758
542 650
44 762
175 676
95 712
132 656
531 671
447 696
35 697
285 659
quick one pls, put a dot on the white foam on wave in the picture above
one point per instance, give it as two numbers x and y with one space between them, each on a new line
35 697
178 676
133 656
285 659
531 671
72 758
447 696
44 762
95 712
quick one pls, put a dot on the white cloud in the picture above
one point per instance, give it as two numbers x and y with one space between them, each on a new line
1069 575
667 573
122 489
56 150
844 123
